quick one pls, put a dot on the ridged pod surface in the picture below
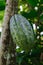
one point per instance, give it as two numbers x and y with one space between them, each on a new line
22 32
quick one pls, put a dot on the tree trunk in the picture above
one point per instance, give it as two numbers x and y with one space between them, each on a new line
5 30
6 39
41 57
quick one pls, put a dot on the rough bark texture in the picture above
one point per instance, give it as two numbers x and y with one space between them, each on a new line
6 40
5 31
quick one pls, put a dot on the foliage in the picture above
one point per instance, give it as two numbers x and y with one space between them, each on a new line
2 5
33 11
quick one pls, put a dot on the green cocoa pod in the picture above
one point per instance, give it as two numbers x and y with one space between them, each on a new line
22 32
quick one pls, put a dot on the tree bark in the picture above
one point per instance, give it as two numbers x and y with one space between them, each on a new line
41 57
8 47
5 36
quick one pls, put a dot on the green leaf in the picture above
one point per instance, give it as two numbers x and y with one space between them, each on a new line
25 14
32 2
41 18
29 15
41 1
41 8
1 17
36 52
40 28
2 5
